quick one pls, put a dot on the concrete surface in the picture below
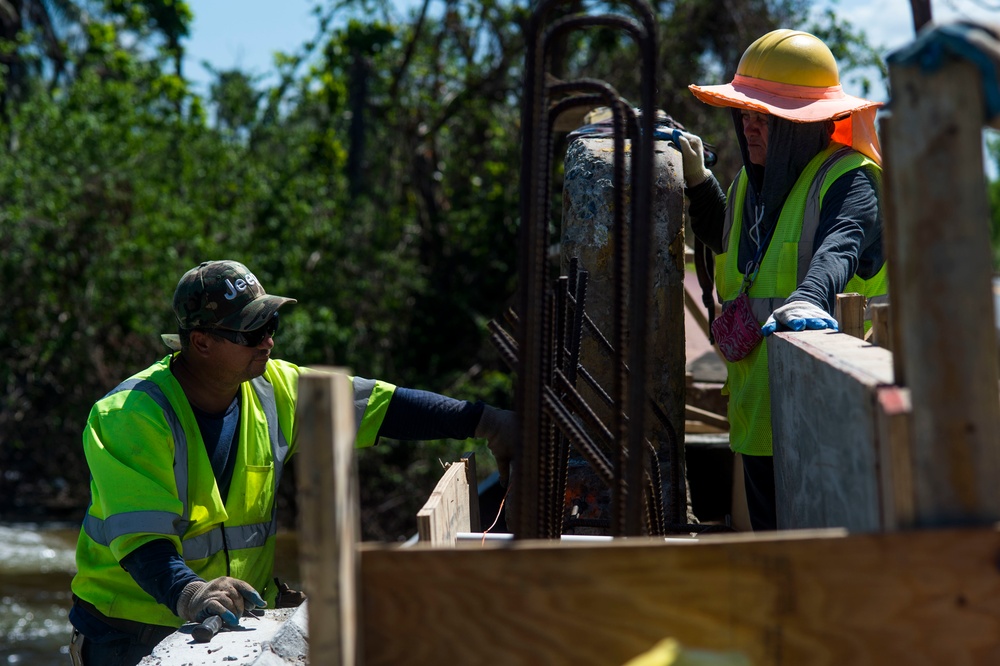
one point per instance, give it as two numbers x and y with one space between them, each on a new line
279 637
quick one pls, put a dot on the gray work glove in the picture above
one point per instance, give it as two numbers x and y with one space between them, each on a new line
692 156
225 597
799 315
499 427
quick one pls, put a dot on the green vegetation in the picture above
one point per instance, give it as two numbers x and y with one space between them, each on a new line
376 181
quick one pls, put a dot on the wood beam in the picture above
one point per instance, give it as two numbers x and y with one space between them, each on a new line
446 511
329 528
942 290
819 598
824 428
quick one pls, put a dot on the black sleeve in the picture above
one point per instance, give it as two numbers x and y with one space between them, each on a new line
415 415
848 240
707 208
160 571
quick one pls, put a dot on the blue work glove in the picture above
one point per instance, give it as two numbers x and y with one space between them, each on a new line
692 157
798 315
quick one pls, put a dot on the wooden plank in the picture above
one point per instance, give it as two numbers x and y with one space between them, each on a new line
446 511
472 477
922 597
850 314
709 418
890 229
329 528
880 331
823 423
894 416
945 320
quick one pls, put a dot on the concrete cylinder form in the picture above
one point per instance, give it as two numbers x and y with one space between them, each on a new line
587 234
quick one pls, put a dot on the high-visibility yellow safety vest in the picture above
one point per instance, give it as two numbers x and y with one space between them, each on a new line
151 479
782 269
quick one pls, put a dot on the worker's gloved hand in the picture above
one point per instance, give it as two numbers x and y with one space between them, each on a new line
798 315
225 597
499 427
693 157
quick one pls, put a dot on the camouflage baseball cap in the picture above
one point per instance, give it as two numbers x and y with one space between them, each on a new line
223 294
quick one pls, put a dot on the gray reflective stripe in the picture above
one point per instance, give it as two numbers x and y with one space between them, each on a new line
810 218
159 522
236 538
247 536
279 445
180 438
105 531
362 394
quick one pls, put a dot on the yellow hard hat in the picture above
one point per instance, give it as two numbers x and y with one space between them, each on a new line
793 75
790 74
790 56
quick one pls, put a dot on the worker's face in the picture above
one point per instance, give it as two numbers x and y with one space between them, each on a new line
755 130
237 363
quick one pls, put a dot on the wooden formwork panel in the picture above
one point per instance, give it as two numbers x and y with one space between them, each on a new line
816 597
825 417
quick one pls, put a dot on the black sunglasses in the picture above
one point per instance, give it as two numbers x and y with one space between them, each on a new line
249 338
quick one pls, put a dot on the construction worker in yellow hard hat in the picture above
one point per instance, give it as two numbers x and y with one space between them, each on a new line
800 223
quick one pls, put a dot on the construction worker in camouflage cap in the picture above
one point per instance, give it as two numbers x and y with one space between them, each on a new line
222 295
185 459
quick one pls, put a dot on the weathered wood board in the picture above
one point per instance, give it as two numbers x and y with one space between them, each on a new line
823 416
446 511
329 527
814 598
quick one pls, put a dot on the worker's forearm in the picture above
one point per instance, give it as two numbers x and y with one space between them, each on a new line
849 234
159 570
707 210
417 415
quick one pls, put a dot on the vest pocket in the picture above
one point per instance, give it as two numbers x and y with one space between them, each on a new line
259 494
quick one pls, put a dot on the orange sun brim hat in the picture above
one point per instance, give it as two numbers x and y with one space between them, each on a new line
793 75
800 104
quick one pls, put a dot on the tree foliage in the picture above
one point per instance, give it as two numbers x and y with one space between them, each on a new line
376 181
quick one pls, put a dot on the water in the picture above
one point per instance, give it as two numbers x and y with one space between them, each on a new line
36 566
37 563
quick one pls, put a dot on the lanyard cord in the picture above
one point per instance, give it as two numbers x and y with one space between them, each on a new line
753 266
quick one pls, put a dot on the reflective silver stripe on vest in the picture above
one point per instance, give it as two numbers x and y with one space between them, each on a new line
247 536
362 394
810 218
176 429
242 536
104 531
279 445
120 524
763 307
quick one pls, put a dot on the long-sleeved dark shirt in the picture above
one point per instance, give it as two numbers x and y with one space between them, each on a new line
848 240
162 573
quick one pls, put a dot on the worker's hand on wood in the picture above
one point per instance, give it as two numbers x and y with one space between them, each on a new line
797 316
499 427
226 597
693 157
